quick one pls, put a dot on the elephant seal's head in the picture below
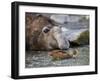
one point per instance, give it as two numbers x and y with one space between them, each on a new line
52 37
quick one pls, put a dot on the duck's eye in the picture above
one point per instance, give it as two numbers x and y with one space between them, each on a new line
46 30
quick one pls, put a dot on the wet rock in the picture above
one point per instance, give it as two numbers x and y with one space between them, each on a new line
79 36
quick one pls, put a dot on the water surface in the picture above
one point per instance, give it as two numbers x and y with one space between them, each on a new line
36 59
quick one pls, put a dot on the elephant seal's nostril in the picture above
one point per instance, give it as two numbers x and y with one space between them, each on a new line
46 30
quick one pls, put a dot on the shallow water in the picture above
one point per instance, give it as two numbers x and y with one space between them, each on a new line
43 59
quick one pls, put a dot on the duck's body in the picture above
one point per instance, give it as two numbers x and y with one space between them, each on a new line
60 54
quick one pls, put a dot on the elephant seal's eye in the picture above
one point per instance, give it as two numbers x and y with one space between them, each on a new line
46 30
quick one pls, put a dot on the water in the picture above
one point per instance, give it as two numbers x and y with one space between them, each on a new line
36 59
